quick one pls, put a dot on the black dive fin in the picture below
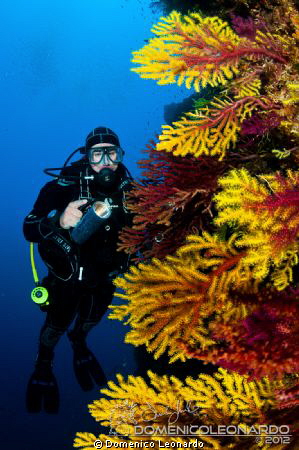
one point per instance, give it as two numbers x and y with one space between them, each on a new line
42 392
88 370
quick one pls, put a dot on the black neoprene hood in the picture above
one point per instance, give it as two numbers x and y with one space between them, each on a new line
101 135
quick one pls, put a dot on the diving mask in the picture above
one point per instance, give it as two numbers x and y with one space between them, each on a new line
105 155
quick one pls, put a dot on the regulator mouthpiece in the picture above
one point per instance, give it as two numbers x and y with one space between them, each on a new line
106 177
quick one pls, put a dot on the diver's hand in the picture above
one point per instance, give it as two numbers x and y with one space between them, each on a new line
72 214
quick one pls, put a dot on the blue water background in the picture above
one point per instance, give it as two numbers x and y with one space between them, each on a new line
65 69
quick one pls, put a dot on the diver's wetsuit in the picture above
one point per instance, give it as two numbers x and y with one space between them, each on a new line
85 299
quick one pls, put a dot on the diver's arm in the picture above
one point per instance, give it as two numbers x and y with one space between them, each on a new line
31 227
51 197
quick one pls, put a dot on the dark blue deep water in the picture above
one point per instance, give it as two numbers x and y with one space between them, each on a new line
65 69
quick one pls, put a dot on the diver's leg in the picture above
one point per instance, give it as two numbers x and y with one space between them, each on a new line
92 307
61 312
42 389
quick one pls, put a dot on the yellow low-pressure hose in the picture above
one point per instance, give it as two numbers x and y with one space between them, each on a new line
33 267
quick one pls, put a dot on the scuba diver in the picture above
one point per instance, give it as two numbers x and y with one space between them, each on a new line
75 221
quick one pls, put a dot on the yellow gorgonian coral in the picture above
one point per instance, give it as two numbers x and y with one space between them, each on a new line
169 300
265 209
294 16
211 130
181 40
201 51
293 89
291 110
246 86
166 303
198 50
137 411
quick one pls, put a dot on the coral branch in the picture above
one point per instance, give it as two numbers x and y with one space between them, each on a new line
211 130
170 202
201 51
267 211
167 403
